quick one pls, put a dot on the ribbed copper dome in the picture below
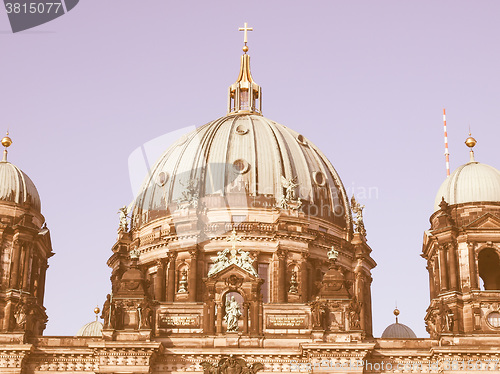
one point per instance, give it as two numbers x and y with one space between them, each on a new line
91 329
398 331
17 187
471 182
247 153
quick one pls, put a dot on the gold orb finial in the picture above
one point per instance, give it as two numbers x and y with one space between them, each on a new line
97 310
470 141
6 141
396 312
245 49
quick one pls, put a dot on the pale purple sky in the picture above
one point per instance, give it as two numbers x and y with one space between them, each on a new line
364 80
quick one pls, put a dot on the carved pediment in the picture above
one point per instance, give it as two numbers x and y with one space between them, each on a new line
232 271
486 221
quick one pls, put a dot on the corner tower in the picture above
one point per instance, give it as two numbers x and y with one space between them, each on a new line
462 249
25 247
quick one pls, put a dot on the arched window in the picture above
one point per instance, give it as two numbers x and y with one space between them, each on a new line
489 269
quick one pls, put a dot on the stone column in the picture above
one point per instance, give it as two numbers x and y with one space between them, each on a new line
282 291
360 296
41 283
304 289
255 257
192 276
27 269
245 317
431 280
443 268
7 315
452 253
254 317
14 272
209 317
171 276
159 282
472 267
220 313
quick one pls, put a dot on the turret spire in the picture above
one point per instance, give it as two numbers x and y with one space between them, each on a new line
245 95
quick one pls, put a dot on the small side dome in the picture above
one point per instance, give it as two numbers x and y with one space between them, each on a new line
398 330
91 329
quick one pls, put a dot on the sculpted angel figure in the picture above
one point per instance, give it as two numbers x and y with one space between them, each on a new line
220 262
123 211
357 209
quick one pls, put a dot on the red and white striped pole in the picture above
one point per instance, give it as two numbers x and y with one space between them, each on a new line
446 153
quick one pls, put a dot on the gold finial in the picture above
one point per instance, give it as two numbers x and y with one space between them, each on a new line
6 142
471 142
97 311
245 37
396 313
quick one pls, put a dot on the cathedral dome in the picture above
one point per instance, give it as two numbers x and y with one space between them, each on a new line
91 329
398 331
243 152
470 183
15 186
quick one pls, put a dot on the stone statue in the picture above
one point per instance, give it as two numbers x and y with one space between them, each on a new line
293 283
448 320
183 282
318 311
145 315
106 310
288 200
246 262
220 262
20 315
354 314
123 212
233 314
190 196
357 209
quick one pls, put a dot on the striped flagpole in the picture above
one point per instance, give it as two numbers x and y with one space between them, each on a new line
446 153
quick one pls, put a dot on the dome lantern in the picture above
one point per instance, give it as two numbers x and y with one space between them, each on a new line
245 95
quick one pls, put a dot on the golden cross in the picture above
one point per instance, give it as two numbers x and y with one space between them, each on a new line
234 238
245 29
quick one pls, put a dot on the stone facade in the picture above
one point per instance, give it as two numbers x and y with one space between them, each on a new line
267 269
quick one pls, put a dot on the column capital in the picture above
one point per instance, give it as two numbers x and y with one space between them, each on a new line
282 254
